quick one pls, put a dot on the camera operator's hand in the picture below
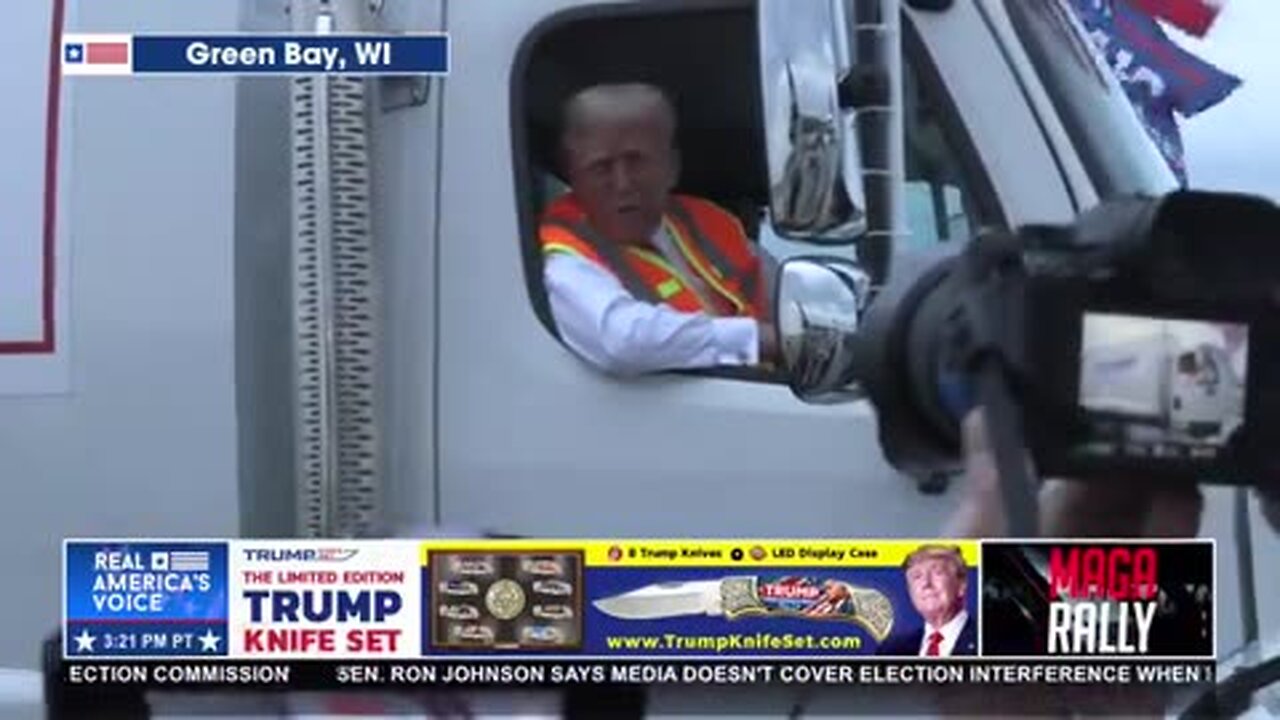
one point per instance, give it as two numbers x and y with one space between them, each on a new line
1269 499
1071 508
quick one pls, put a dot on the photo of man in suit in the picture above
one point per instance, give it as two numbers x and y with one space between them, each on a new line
937 579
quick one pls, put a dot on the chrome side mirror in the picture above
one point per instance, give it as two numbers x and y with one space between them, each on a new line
815 178
819 303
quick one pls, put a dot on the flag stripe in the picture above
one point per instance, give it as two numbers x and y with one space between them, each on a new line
1192 16
1143 37
107 53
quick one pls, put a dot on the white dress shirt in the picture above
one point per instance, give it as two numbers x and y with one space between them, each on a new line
621 335
950 634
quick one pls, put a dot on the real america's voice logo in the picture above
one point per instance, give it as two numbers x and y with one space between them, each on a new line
145 599
241 599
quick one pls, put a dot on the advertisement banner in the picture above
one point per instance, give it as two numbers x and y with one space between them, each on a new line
688 599
1145 599
305 613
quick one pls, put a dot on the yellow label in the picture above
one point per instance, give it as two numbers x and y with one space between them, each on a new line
669 287
712 553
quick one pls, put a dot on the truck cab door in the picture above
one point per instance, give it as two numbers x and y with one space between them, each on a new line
529 439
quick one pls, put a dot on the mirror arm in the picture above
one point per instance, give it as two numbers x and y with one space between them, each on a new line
931 5
793 103
864 86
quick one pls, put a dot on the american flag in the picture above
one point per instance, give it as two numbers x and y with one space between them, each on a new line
97 53
189 561
1161 79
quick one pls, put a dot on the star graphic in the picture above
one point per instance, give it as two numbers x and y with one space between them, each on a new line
209 641
73 53
84 641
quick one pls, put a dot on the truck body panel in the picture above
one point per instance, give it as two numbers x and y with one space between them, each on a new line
144 440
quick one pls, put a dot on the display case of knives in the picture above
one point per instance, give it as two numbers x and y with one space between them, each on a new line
506 601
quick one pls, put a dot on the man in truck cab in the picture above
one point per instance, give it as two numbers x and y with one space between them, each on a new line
641 279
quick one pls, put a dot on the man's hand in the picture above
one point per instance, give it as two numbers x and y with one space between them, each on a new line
1269 499
1071 508
768 343
1119 508
1068 508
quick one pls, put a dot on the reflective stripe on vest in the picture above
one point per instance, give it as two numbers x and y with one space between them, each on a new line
673 285
627 275
665 290
669 288
552 247
713 275
706 253
720 266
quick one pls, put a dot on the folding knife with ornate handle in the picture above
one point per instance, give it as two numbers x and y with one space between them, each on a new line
734 597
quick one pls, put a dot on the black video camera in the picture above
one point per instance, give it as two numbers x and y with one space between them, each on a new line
1141 341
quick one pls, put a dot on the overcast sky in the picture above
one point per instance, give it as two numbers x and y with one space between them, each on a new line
1236 145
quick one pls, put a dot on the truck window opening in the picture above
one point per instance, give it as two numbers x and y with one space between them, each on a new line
715 86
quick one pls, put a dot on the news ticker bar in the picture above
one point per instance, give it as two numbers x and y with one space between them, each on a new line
252 54
330 675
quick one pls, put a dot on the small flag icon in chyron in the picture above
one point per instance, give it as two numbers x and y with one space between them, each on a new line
96 53
112 53
189 561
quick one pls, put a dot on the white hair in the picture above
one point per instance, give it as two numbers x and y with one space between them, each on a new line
618 103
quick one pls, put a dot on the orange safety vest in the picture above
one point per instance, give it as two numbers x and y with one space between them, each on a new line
711 239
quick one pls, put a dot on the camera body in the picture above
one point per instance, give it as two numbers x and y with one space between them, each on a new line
1142 341
1130 383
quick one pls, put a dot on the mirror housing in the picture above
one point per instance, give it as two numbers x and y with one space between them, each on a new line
815 175
818 306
